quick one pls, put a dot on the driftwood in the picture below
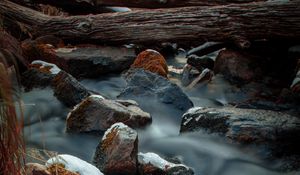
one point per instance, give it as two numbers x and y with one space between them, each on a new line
139 3
239 23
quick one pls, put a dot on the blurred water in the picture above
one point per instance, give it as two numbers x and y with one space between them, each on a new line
207 154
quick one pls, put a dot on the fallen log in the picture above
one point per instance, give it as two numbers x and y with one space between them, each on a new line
139 3
239 23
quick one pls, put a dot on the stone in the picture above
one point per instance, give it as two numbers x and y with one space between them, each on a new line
142 83
117 151
200 63
97 114
92 61
277 130
237 66
151 163
39 75
68 90
152 61
36 169
89 61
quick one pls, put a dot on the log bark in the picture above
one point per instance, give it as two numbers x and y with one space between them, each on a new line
139 3
240 23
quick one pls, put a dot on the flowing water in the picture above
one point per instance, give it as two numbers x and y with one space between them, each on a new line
208 154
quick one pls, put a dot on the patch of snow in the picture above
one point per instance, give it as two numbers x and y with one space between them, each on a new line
54 69
193 110
97 96
156 161
198 118
296 80
151 50
118 126
187 121
74 164
65 50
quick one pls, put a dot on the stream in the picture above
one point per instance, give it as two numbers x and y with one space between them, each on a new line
207 154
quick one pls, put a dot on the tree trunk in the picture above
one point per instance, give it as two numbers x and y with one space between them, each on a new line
239 23
141 3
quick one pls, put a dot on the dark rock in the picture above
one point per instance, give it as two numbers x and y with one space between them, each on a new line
39 75
141 83
97 114
237 66
80 61
117 152
152 61
93 61
151 163
68 90
200 63
279 131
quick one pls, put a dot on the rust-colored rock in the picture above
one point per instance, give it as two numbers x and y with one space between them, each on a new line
152 61
36 169
117 152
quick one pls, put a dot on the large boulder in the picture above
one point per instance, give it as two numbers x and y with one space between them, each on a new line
80 61
117 152
97 114
152 61
151 163
237 66
142 83
275 129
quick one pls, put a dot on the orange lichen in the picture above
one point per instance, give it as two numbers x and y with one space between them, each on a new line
152 61
59 169
109 139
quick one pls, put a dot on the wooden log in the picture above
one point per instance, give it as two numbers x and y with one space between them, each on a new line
139 3
239 23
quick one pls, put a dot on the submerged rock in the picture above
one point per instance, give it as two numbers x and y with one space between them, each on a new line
117 152
96 113
152 61
151 163
142 83
275 129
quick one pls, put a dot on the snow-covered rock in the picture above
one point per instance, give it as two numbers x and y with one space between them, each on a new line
151 163
117 151
98 114
74 164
